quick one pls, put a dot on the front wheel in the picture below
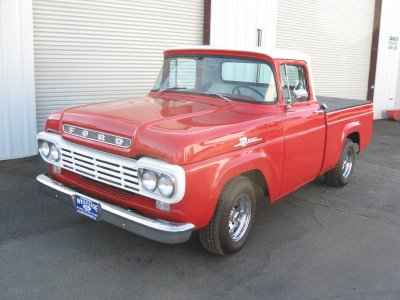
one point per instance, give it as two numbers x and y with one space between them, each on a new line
340 175
229 228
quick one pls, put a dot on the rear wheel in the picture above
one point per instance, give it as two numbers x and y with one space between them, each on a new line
340 175
229 228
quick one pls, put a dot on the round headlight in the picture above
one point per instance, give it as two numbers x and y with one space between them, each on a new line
166 186
54 153
149 180
44 149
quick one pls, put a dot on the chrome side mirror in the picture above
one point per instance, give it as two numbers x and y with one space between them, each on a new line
301 94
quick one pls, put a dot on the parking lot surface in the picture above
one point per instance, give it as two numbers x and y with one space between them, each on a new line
319 242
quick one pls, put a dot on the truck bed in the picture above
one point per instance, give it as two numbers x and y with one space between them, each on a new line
335 103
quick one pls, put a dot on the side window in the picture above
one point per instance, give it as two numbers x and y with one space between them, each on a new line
293 77
182 73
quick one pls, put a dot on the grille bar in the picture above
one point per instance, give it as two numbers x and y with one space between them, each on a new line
101 166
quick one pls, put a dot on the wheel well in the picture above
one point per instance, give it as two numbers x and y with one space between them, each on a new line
260 184
355 138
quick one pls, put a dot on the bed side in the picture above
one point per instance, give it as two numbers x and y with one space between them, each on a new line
355 122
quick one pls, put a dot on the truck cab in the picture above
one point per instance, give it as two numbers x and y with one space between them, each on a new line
221 130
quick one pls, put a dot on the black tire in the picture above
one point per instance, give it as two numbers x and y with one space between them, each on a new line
340 175
217 237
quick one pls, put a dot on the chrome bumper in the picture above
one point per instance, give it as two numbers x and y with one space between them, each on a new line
158 230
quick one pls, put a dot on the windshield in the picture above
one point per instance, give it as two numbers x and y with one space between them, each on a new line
234 78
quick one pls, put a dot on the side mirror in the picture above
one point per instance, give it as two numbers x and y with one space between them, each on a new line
300 94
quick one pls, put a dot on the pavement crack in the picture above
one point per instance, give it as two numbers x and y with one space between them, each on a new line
387 220
310 209
243 280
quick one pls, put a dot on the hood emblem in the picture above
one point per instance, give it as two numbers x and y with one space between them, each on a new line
97 136
244 141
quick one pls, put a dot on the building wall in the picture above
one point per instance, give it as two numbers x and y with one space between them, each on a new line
337 35
92 51
17 87
397 99
388 64
235 22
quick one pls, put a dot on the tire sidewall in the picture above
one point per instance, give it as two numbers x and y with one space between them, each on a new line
244 186
349 145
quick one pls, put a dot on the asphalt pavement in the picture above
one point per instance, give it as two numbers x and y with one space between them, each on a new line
317 243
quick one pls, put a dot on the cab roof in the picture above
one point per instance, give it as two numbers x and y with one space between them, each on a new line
274 53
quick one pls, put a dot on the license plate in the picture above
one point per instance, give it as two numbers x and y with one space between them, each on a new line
87 207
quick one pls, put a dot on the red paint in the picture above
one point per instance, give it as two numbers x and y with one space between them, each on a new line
200 133
393 114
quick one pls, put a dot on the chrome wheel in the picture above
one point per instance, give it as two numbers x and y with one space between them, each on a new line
347 164
239 217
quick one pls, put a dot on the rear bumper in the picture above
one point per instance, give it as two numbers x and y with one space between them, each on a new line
158 230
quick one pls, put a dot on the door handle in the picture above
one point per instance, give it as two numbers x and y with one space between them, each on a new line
319 111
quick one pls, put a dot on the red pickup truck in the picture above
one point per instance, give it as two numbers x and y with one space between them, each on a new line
221 130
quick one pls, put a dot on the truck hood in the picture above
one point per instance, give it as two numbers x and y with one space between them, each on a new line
176 128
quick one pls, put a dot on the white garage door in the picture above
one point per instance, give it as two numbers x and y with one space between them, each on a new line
93 50
337 35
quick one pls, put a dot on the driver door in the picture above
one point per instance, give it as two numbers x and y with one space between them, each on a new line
303 129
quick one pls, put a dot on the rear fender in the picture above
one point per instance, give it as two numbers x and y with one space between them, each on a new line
353 127
336 138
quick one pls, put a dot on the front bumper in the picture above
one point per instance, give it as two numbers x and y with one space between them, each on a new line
158 230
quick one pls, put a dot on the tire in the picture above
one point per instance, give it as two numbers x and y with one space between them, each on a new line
234 215
340 175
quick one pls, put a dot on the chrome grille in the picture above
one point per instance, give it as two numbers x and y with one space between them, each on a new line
101 167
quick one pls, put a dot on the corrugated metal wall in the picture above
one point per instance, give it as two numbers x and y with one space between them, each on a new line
337 35
94 50
235 22
17 89
397 99
388 64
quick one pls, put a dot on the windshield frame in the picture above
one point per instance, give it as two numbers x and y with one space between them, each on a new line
259 60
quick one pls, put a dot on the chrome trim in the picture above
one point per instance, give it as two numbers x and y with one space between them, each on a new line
319 111
158 174
239 217
89 131
347 165
158 230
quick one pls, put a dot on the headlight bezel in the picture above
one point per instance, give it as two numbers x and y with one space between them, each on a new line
159 174
172 181
150 173
57 149
51 145
41 144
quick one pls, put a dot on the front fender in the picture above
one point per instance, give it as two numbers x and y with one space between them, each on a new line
246 162
206 180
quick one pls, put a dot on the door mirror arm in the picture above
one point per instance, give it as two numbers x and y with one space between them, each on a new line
290 102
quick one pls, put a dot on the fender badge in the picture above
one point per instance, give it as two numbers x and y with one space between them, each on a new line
244 141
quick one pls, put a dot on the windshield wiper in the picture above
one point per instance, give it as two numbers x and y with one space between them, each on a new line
171 89
217 94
